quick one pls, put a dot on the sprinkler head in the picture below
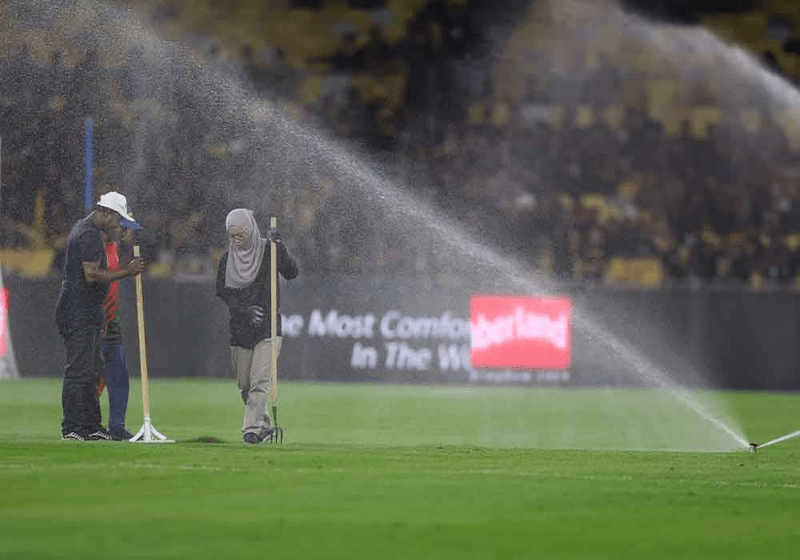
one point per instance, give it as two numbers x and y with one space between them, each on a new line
753 447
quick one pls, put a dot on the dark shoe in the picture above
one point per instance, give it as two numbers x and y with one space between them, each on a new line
72 435
252 438
100 434
120 435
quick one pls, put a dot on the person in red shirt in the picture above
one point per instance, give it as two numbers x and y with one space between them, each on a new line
117 378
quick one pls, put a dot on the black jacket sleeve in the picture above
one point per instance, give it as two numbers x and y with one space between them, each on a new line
287 266
226 295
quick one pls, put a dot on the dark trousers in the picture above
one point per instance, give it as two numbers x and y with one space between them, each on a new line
118 383
79 393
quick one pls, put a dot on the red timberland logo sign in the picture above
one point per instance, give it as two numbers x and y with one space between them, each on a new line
521 332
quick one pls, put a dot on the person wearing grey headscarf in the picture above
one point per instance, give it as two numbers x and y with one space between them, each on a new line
243 283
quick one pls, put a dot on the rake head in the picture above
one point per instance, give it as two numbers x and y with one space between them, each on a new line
275 436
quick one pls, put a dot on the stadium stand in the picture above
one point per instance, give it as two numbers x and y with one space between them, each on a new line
615 157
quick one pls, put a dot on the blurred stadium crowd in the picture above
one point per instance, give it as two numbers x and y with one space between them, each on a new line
594 152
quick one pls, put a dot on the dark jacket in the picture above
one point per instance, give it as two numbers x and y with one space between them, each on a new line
243 332
80 303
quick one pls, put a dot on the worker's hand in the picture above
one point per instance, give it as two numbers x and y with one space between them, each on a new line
256 314
136 266
273 235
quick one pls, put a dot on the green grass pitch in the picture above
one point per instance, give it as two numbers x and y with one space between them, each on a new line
377 471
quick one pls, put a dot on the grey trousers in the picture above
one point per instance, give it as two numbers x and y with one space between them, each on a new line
253 371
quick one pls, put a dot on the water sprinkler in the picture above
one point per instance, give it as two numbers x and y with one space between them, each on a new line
753 447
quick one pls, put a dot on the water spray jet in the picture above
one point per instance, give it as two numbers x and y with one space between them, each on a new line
776 440
229 103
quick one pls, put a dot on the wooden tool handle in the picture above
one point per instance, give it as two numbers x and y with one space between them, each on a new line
273 269
142 343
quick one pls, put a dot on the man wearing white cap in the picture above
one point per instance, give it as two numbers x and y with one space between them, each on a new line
80 314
